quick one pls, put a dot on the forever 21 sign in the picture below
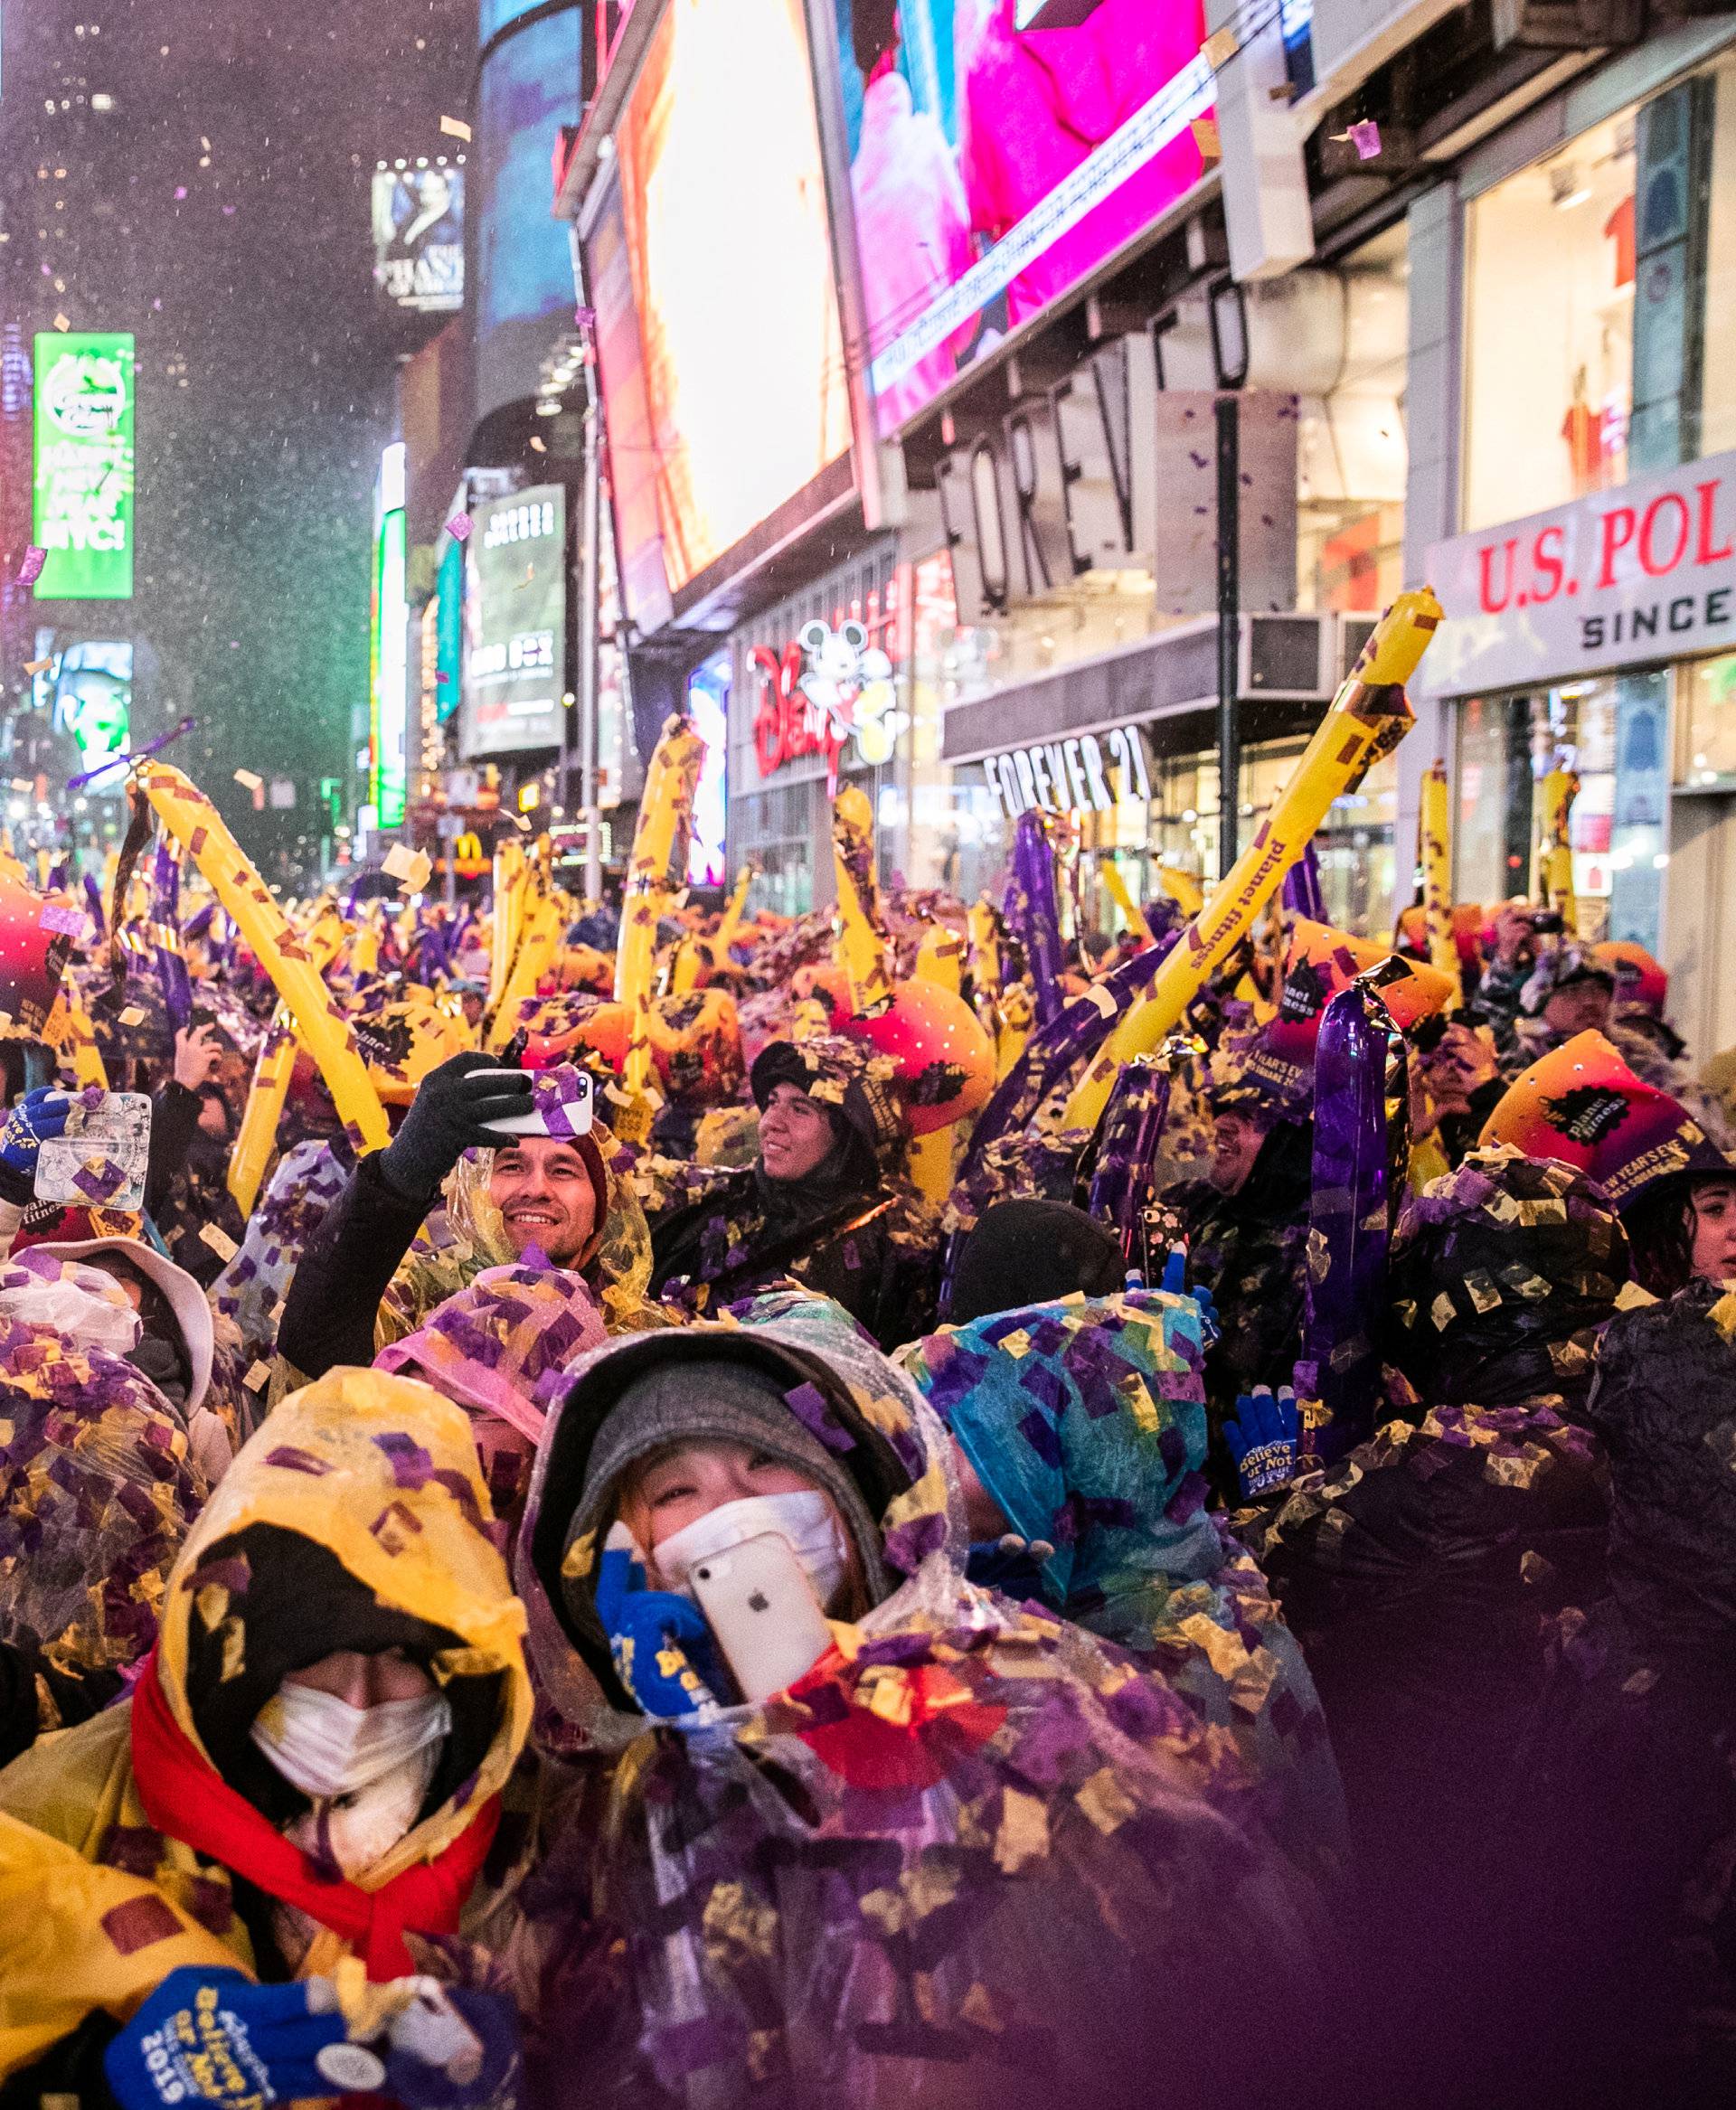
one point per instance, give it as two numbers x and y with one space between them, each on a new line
1082 774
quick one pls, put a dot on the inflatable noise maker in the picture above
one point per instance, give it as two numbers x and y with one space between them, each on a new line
1368 718
195 824
256 1138
1360 1136
665 817
942 1058
1319 963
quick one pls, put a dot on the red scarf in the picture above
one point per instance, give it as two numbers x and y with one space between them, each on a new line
186 1799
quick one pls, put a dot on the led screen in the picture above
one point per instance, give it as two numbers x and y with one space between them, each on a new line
88 688
993 168
419 239
632 460
724 203
84 467
708 705
524 294
515 624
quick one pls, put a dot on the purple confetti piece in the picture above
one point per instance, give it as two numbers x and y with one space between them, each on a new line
458 527
31 568
1365 137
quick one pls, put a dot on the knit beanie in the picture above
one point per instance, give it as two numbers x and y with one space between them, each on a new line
709 1399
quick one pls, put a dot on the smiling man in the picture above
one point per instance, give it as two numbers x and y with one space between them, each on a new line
822 1205
539 1194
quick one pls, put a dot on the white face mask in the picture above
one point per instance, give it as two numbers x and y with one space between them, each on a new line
806 1521
326 1748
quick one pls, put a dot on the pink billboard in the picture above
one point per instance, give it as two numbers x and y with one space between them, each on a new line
995 163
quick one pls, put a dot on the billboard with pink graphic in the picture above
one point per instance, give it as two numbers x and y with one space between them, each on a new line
994 166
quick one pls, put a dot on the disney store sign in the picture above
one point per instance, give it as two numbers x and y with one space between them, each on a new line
830 687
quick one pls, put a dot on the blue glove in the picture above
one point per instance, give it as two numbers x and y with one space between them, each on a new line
213 2036
454 2050
38 1115
663 1649
1266 1438
1174 1284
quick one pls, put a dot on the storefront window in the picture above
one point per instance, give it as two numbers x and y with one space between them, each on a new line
1707 756
1350 461
1549 340
1614 734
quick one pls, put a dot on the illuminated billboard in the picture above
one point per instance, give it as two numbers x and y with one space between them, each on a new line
84 466
708 706
993 168
515 624
723 201
419 239
88 687
389 697
528 88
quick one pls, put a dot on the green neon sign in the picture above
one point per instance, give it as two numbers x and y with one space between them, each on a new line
84 467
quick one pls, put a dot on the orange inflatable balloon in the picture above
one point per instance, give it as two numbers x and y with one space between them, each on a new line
946 1061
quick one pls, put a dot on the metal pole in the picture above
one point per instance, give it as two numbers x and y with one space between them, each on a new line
1228 625
590 530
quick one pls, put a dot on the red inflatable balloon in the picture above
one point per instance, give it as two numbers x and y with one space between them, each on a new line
946 1060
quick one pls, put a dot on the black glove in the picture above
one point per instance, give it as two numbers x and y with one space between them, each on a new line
447 1116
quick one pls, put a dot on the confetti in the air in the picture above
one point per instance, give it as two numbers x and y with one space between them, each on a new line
455 127
1365 137
30 568
458 527
246 779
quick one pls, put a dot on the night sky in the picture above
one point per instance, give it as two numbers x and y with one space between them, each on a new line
220 209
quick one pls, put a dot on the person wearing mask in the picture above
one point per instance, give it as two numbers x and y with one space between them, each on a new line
899 1877
186 1186
448 1197
822 1205
99 1488
310 1764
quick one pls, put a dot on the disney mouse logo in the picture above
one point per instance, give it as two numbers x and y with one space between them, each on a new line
830 686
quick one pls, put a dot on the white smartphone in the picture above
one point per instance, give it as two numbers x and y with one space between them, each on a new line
762 1609
580 1110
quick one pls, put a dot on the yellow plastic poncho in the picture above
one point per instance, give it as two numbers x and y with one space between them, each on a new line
380 1472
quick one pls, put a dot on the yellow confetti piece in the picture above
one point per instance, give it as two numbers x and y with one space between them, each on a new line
1023 1835
131 1016
1219 48
1442 1311
1106 1802
258 1377
63 322
37 666
248 780
219 1240
455 128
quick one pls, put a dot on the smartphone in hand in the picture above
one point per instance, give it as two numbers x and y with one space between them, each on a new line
760 1606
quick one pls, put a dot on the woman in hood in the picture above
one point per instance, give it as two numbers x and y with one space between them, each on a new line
1081 1429
950 1862
310 1765
98 1489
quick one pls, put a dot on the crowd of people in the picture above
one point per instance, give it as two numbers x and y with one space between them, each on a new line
747 1556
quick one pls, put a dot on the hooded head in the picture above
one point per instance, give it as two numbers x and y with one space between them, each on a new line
469 1234
1570 990
354 1521
854 1087
499 1347
1027 1252
1501 1276
1084 1420
176 1340
793 1379
98 1486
